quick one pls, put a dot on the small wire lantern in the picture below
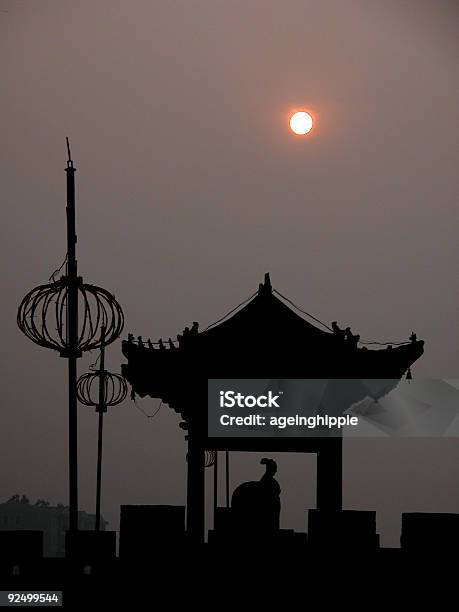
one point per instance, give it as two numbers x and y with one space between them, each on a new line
209 458
42 316
114 390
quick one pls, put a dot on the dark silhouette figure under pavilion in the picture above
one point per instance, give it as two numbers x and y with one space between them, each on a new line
255 505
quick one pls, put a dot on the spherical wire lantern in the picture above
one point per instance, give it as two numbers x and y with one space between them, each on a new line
114 389
209 458
42 317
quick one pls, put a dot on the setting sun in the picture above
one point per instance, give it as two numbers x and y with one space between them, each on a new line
301 123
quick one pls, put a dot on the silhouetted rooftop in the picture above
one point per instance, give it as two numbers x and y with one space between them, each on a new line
262 338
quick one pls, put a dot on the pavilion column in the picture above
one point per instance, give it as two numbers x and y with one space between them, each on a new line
330 475
195 490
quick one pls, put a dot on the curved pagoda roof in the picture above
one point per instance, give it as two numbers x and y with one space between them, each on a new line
265 338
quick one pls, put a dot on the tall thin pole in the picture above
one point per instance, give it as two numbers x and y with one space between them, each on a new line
72 342
100 409
215 485
227 478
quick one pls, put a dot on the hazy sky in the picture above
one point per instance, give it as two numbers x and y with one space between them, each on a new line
190 186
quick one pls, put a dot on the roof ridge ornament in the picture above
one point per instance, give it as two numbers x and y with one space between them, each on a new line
266 287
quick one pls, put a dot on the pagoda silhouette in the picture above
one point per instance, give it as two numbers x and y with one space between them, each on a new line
264 337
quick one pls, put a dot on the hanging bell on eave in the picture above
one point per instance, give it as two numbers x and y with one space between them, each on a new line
409 376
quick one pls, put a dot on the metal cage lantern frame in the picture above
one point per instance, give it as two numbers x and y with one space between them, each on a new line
42 317
114 389
209 458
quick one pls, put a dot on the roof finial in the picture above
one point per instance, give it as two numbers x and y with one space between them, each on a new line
265 288
268 286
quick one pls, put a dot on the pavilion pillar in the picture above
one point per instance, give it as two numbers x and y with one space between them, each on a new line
330 475
195 490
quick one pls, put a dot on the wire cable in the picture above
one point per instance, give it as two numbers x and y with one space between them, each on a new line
53 275
145 414
231 311
303 311
284 297
330 329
